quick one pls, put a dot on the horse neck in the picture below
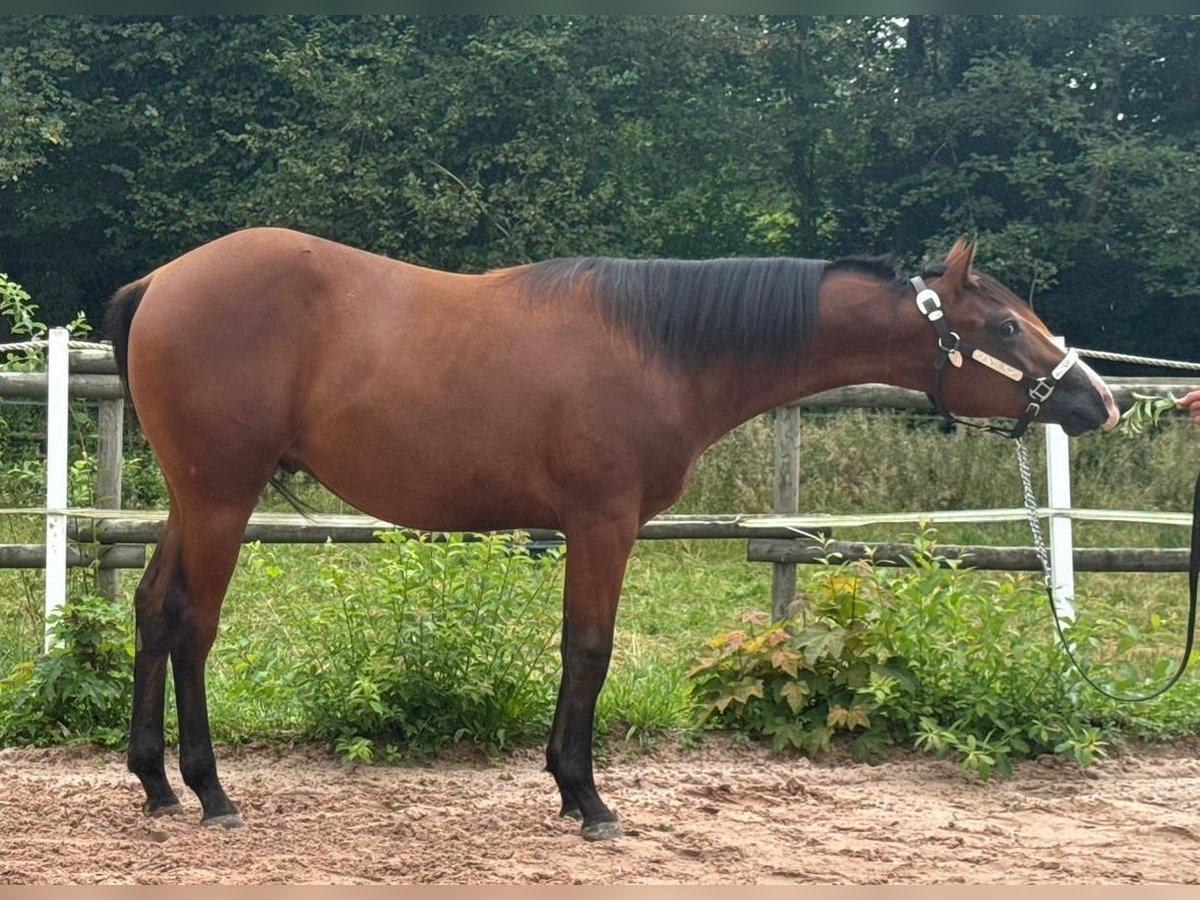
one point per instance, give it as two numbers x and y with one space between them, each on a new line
864 334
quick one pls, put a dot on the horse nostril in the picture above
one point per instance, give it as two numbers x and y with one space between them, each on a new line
1114 416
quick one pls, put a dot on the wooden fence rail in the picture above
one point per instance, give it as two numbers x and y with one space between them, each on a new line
1004 559
33 556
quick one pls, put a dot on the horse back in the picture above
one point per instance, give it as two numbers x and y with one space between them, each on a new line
433 399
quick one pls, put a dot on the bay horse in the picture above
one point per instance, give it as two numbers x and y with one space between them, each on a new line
570 394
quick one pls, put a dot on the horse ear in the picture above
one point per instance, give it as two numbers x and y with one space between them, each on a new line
958 262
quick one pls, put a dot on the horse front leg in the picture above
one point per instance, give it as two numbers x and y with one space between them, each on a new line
570 806
596 559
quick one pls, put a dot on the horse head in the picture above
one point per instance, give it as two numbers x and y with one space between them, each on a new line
978 321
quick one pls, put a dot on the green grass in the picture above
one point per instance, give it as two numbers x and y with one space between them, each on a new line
678 594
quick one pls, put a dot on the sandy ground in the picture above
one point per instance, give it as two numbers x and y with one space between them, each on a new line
721 814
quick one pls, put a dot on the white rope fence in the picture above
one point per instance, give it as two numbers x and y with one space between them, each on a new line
106 346
41 344
1093 354
1139 360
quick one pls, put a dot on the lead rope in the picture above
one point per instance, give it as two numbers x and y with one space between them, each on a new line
1035 525
1039 547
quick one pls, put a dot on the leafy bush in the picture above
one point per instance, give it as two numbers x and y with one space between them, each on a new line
81 690
803 681
455 639
929 653
993 681
18 308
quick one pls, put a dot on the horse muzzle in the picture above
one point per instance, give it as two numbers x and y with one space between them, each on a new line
1082 403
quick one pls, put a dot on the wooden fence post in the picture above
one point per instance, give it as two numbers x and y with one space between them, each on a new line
109 451
787 501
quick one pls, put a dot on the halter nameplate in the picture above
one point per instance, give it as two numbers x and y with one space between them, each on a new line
996 365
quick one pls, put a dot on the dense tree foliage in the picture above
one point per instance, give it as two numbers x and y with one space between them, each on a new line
1066 144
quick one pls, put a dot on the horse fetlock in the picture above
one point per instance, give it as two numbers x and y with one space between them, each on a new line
146 761
200 775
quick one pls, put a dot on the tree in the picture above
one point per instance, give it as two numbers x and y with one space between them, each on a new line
1066 144
34 107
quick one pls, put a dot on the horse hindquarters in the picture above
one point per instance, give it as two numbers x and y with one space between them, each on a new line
215 469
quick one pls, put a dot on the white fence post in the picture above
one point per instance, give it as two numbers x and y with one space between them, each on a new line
57 372
1058 491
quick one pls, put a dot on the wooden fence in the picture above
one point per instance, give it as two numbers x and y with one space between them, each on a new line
117 540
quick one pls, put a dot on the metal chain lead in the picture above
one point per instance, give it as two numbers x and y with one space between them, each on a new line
1035 525
1039 546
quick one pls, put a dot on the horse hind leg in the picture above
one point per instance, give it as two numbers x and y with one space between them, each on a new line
178 605
158 589
210 546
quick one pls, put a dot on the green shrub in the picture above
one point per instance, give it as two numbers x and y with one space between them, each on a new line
454 640
947 659
81 690
802 682
993 681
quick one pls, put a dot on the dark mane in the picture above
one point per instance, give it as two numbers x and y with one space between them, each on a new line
690 312
885 268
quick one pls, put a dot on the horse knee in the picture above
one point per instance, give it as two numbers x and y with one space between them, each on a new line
590 652
152 635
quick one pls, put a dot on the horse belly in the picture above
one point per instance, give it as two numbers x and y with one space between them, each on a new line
430 468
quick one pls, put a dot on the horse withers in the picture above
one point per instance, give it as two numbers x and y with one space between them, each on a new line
571 394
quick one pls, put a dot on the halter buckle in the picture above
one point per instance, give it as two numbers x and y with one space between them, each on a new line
928 302
948 342
1041 391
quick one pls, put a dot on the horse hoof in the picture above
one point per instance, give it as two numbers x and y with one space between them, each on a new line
168 809
602 831
572 813
228 820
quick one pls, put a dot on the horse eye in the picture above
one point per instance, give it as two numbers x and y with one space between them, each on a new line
1009 328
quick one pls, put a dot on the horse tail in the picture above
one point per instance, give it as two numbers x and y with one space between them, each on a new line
118 319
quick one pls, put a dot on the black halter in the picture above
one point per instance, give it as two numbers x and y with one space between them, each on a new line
951 349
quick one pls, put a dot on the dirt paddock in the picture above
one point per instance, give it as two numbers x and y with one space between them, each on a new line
721 814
